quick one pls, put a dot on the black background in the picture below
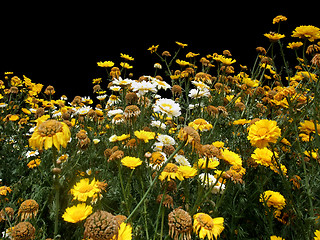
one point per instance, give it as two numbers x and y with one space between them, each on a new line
59 44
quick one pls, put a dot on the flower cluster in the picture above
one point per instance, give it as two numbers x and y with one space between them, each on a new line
205 148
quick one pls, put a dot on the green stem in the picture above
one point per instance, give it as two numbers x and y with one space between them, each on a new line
155 180
56 187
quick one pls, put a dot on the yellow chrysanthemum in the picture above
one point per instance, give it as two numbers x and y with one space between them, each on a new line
307 32
48 133
273 199
204 225
83 189
294 45
210 163
279 18
262 156
77 213
131 162
262 132
144 135
231 157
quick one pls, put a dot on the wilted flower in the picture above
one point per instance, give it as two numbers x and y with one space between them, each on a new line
101 225
23 231
28 209
180 224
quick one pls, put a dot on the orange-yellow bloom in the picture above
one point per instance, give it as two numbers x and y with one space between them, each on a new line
48 133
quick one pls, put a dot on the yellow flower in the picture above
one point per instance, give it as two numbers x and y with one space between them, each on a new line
83 189
317 233
126 57
182 63
231 157
274 37
294 45
202 162
171 171
14 118
276 238
153 48
144 135
224 60
262 132
204 225
48 133
34 163
125 65
182 44
125 232
77 213
4 190
200 124
105 64
273 199
279 18
241 122
307 32
218 144
262 156
131 162
308 127
187 171
191 55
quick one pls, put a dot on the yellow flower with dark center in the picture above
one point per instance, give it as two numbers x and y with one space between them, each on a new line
131 162
171 171
77 213
48 133
204 225
307 32
263 132
273 199
144 135
83 189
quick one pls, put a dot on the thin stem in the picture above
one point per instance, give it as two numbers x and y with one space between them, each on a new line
155 180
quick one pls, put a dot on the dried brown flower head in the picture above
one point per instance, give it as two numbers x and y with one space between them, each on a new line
176 90
28 209
49 90
167 200
23 231
190 135
180 224
131 112
6 214
101 225
131 98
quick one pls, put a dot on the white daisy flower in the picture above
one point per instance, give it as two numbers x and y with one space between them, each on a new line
167 106
32 153
166 140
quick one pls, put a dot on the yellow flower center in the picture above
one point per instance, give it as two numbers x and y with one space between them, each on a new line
165 105
205 221
49 128
262 131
